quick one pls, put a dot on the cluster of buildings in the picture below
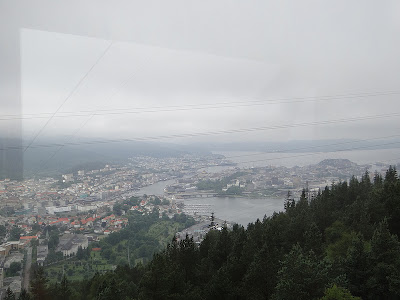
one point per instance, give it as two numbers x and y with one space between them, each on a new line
178 165
89 190
273 181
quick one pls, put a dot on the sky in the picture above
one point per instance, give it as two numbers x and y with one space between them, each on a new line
202 67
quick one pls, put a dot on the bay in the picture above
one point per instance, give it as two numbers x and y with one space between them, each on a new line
246 210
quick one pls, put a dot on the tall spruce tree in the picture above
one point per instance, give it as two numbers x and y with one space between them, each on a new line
9 294
39 287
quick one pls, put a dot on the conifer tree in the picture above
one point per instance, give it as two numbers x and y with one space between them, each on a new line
9 294
65 290
384 262
39 285
24 295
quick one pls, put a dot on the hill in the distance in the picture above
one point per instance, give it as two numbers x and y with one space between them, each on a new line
337 163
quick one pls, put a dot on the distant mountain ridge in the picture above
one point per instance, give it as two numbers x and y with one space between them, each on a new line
56 159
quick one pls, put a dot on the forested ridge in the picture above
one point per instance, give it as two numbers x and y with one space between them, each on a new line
341 243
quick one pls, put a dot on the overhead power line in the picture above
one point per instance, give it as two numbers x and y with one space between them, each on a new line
93 113
211 133
174 108
314 147
311 154
69 95
290 150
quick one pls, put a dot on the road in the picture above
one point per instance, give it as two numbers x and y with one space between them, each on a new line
27 269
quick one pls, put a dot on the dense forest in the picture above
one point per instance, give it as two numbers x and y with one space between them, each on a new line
341 243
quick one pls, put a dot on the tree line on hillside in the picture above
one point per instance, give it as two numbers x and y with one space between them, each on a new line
341 243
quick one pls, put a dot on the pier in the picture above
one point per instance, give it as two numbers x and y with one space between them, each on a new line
198 209
196 194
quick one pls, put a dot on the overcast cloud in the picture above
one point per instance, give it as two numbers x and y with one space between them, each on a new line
194 53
